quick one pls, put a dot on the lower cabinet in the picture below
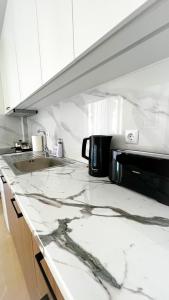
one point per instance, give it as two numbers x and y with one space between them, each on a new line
27 259
45 281
40 282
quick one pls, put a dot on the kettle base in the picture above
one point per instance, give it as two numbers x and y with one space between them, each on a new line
95 173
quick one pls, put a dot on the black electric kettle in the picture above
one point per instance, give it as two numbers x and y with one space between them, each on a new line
99 151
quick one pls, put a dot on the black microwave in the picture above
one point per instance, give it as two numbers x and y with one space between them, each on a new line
144 173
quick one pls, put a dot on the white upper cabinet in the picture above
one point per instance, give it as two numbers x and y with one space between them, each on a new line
94 18
27 46
8 62
55 35
1 99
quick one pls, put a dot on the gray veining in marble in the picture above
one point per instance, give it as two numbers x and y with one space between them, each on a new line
106 236
88 209
61 237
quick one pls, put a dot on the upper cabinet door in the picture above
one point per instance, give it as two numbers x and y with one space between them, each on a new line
8 62
1 99
27 46
55 35
94 18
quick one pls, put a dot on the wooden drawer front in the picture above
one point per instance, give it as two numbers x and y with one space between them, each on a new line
28 263
22 238
46 284
40 282
15 220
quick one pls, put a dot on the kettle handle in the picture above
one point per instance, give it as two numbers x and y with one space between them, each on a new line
84 148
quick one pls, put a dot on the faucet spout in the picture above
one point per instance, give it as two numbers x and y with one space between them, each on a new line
45 146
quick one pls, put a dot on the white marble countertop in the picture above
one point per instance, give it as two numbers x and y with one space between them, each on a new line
101 241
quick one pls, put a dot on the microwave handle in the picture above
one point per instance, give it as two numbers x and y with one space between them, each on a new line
84 148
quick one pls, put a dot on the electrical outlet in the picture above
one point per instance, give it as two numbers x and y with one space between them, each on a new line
131 136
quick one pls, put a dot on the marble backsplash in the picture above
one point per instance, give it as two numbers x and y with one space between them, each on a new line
10 131
139 100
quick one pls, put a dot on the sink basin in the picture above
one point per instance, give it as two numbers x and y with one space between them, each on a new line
36 164
31 162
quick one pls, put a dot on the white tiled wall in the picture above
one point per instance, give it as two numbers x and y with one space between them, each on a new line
139 100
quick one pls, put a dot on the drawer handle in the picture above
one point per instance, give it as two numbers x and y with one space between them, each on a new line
19 215
3 179
39 257
8 107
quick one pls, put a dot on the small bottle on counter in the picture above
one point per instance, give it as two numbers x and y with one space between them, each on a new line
54 151
58 148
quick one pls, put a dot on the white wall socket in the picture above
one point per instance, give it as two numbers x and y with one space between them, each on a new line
131 136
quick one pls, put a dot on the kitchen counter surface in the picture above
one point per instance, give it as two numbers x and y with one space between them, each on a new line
101 241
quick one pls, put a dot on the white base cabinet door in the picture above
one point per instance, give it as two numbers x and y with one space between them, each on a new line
55 35
27 46
94 18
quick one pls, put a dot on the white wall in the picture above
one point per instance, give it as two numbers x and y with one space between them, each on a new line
139 100
74 119
10 131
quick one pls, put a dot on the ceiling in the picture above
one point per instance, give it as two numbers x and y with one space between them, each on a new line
2 12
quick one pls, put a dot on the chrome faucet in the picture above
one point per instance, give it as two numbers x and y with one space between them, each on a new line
45 146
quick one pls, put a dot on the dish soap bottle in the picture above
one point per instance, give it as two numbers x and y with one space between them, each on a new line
59 151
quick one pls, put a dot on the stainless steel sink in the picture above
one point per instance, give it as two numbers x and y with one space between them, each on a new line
36 164
21 164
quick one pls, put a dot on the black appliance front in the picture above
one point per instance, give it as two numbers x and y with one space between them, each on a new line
99 152
148 175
